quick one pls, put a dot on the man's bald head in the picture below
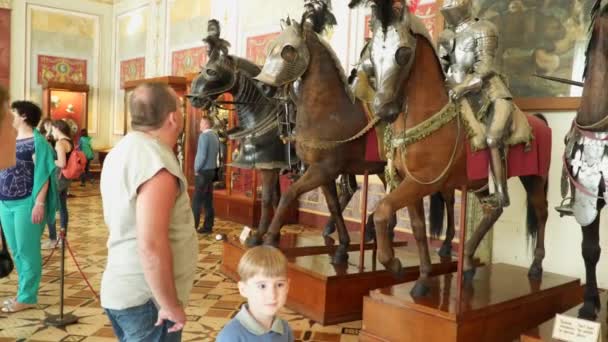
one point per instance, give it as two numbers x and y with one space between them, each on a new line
150 105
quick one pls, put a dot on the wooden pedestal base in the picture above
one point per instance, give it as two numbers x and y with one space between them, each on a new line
501 304
242 209
543 332
331 294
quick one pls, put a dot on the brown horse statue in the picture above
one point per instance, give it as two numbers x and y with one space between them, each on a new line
585 155
429 140
330 126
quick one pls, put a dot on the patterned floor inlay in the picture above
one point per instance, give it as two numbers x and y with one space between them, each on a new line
213 301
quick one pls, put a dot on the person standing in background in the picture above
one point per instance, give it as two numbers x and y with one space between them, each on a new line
46 127
205 165
63 146
28 198
85 146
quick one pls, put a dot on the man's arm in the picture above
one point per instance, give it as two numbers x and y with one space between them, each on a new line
155 201
201 152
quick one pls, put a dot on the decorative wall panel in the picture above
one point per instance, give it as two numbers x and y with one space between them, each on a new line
188 61
132 69
61 69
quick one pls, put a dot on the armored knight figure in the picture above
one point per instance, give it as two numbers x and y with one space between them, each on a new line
467 50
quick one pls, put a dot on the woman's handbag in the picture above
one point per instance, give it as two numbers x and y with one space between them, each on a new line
6 262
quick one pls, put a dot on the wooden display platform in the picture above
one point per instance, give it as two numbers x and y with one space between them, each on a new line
293 245
242 209
501 304
327 293
543 332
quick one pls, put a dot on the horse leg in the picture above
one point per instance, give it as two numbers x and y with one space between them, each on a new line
331 197
591 254
276 193
536 192
312 178
269 180
407 193
347 191
417 219
370 229
446 248
491 215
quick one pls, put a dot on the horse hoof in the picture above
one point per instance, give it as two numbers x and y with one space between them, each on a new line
445 251
468 276
340 257
253 240
419 290
272 239
588 311
535 272
394 267
329 229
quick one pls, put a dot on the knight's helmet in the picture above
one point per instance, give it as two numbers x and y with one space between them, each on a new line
456 11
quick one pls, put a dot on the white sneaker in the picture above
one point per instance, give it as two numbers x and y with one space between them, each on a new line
49 244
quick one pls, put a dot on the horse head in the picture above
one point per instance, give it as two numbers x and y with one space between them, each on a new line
392 54
288 56
216 77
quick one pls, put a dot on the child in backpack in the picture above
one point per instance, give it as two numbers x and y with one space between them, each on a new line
85 146
64 147
264 282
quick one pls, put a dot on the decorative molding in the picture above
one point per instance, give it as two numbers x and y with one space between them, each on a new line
5 4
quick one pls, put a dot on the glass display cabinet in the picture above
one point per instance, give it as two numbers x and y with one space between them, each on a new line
66 101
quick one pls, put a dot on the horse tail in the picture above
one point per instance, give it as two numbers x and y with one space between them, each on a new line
531 217
437 211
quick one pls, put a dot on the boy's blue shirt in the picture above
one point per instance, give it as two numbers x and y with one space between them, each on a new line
243 327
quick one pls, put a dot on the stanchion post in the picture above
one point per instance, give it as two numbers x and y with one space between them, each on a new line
363 218
461 246
62 319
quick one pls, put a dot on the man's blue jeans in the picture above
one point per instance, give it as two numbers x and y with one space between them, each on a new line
137 324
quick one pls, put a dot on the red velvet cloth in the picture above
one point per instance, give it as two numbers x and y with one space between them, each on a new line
519 163
371 146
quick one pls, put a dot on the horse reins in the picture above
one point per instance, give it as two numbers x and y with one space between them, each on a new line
450 162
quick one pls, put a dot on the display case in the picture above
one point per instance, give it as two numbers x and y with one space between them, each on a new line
66 101
179 85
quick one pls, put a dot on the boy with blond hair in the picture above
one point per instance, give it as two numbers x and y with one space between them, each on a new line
263 274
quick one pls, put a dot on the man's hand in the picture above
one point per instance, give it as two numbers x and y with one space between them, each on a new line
37 213
177 315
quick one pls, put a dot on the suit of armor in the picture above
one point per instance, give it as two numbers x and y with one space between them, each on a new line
468 51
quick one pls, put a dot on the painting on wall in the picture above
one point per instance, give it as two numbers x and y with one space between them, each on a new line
132 69
428 14
5 47
188 61
61 69
539 37
257 47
